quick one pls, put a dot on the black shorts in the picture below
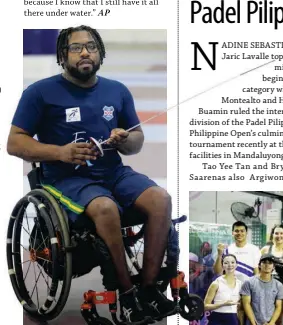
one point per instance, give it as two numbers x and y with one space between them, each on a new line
124 187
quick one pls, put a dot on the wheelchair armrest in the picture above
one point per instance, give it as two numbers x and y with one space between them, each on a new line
34 178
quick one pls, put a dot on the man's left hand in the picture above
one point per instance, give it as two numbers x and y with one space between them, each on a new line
118 137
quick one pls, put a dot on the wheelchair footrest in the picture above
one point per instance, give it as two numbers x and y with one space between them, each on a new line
93 298
96 298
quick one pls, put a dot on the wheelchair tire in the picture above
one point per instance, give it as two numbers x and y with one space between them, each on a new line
191 307
49 216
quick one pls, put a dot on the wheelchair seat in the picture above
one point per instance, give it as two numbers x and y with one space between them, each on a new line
131 217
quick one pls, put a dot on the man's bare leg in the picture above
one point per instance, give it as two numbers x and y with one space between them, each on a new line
155 202
105 214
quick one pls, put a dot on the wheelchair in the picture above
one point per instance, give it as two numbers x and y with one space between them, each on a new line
42 239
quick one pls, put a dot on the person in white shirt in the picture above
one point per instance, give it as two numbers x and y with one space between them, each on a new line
248 255
223 295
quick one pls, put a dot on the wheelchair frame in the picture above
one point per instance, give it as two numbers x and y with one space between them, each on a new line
62 246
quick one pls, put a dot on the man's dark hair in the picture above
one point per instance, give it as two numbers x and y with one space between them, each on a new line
63 37
239 224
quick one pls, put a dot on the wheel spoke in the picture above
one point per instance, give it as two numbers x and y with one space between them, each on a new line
35 286
40 270
27 231
25 248
132 261
43 242
43 259
140 243
27 220
137 251
27 271
34 237
132 266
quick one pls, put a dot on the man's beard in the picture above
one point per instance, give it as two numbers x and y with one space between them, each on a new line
82 75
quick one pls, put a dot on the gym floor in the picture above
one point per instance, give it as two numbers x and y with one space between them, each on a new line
71 314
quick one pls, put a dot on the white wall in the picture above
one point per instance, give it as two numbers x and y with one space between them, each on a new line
215 207
133 36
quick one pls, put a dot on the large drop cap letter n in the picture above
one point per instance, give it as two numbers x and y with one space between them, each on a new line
198 49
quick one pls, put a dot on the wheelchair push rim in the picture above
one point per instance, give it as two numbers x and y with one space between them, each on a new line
36 260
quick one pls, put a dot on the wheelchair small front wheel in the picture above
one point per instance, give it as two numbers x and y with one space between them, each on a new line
191 307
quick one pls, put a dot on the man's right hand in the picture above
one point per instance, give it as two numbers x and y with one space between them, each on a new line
220 249
77 153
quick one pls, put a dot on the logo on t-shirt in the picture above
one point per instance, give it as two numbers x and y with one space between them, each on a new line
108 112
73 114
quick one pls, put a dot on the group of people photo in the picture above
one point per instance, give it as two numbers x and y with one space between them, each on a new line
247 285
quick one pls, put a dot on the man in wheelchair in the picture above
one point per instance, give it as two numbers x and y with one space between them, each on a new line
65 111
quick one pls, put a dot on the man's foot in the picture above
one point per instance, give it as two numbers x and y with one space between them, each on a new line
131 309
155 304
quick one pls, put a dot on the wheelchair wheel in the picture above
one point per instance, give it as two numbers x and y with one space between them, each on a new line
191 307
134 247
39 264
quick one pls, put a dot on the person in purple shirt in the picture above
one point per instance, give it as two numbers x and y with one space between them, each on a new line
64 111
